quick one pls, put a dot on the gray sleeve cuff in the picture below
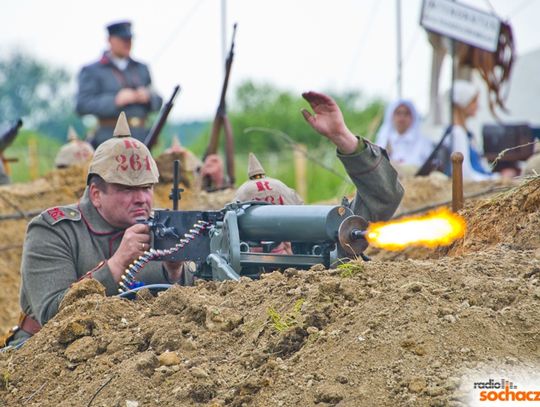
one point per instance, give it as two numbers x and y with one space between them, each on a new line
363 161
378 191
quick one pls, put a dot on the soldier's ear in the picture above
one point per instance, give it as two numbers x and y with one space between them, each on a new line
94 193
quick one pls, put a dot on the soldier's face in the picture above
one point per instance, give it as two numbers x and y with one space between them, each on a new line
120 47
120 205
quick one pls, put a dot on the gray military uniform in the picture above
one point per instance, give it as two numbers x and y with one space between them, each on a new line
378 191
98 85
65 244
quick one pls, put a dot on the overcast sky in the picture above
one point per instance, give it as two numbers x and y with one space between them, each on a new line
296 45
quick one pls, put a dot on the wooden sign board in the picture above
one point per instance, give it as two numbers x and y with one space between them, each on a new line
461 22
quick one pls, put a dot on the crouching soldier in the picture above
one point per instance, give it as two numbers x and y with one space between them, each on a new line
74 152
261 188
96 238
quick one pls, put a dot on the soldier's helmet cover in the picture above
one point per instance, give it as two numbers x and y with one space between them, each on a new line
254 166
123 159
75 152
265 189
176 146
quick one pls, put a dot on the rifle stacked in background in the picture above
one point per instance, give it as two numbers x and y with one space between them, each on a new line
153 135
221 120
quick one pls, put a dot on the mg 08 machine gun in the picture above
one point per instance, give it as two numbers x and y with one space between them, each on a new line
238 240
222 242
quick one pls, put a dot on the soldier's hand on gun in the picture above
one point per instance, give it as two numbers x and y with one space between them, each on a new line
135 242
328 121
126 96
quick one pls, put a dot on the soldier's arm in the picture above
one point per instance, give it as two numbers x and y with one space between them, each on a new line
49 264
47 269
378 191
92 98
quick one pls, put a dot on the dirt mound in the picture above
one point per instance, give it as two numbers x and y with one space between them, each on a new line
20 202
423 193
376 333
511 217
379 333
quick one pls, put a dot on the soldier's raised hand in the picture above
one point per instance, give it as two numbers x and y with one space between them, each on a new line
328 121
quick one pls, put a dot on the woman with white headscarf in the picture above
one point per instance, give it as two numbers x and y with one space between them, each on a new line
465 100
401 137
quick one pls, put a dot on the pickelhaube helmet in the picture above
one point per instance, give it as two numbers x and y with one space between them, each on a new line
269 190
176 146
264 188
254 166
75 152
123 159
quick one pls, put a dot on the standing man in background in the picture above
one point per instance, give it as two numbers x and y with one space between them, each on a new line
117 83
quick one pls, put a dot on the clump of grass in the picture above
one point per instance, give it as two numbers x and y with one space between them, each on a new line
4 383
349 270
283 322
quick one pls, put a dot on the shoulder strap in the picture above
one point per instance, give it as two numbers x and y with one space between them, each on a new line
58 213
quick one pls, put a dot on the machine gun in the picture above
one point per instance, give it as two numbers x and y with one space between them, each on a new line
221 242
221 120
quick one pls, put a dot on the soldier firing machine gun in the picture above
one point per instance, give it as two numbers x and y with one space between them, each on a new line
220 242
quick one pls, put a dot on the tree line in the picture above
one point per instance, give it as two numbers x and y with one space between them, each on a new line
43 95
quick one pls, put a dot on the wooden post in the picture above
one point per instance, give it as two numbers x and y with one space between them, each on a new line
33 160
457 181
300 166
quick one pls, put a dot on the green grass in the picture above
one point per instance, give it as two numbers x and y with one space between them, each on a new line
45 152
4 380
349 270
283 322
